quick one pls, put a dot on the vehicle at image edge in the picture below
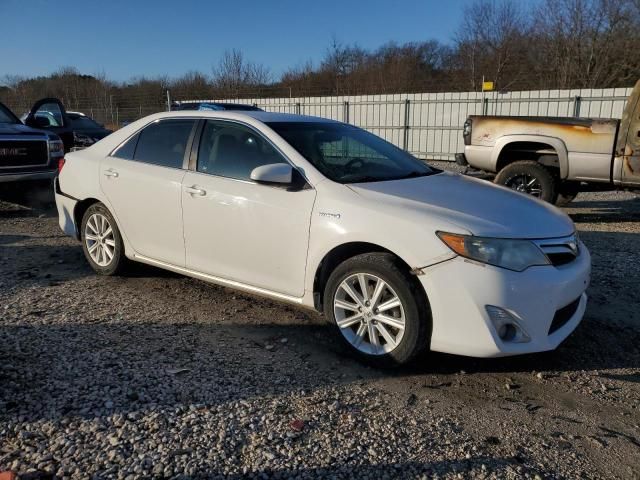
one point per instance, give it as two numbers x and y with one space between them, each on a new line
215 106
399 256
554 158
76 129
26 153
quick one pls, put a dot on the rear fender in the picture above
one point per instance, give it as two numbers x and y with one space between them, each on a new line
554 142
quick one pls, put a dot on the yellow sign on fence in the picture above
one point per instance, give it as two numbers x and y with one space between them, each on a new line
487 86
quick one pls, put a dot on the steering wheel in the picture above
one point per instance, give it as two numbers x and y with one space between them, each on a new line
351 164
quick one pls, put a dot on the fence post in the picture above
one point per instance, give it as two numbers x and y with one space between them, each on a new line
576 105
485 106
345 113
298 109
405 140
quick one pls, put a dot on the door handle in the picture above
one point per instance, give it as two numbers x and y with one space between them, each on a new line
111 173
195 191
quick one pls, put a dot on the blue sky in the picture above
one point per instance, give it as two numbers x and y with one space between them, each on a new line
128 38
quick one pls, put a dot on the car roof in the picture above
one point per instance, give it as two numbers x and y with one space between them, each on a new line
261 116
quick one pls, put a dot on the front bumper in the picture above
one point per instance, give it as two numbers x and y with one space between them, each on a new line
459 291
27 176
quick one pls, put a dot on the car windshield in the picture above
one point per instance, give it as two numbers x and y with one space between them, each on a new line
6 116
348 154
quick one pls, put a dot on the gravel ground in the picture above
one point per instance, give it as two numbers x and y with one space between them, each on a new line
160 376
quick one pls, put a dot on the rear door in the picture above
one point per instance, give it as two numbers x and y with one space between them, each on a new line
49 114
142 180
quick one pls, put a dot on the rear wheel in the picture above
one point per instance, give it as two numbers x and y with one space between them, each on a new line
379 312
101 241
530 177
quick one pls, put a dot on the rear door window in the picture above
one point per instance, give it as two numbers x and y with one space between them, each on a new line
163 143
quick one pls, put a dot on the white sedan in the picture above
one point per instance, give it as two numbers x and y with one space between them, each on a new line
400 257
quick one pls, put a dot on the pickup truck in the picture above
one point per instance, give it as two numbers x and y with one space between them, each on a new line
554 158
27 152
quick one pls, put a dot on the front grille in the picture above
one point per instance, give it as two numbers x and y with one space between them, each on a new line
18 153
563 315
560 251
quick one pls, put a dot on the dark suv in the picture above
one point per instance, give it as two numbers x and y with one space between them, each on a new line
74 128
27 153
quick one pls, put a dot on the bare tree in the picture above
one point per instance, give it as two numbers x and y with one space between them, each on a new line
491 41
234 73
589 43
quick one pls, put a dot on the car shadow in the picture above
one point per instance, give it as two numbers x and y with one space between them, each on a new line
603 211
31 199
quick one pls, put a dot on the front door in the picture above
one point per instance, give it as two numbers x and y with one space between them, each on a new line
240 230
142 180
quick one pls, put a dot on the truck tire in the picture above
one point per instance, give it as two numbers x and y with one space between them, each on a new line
567 191
530 177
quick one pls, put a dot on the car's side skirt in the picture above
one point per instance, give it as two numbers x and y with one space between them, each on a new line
218 280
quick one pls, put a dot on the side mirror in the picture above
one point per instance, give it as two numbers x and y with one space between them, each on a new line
275 173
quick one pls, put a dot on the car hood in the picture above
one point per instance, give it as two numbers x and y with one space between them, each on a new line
480 207
18 129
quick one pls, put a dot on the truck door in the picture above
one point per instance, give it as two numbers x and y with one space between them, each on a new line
49 114
627 161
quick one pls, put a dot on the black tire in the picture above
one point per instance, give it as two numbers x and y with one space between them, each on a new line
117 262
567 192
417 314
515 175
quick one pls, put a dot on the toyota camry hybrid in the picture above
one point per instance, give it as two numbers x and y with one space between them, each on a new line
400 257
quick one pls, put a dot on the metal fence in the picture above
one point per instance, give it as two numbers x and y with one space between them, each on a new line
429 125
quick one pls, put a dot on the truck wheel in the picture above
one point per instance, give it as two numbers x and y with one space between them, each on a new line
379 312
528 176
567 192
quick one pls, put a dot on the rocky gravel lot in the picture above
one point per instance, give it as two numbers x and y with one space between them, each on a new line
156 375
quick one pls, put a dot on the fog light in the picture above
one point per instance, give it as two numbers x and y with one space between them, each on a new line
507 326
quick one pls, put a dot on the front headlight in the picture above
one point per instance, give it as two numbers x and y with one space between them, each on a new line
515 255
82 139
56 148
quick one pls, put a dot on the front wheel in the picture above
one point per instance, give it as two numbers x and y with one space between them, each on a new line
530 177
101 241
378 310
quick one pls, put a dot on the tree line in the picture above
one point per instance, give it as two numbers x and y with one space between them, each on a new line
554 44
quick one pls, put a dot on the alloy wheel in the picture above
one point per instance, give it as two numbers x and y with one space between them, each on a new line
99 239
369 313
